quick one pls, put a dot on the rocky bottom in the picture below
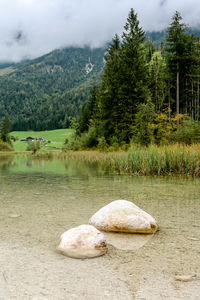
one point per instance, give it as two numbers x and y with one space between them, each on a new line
144 273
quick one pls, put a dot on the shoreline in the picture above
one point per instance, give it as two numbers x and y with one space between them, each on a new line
154 160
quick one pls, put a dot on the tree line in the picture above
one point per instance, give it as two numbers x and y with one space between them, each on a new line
146 94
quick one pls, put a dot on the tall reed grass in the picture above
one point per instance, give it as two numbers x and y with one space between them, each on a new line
153 160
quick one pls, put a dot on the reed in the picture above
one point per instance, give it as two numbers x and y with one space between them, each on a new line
153 160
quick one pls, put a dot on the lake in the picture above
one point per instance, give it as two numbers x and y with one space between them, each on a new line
40 199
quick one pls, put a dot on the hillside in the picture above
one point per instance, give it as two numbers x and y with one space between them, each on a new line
47 92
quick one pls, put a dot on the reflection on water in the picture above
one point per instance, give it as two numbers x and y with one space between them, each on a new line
42 199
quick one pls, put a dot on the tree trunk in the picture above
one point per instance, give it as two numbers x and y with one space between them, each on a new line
177 96
192 101
169 105
198 100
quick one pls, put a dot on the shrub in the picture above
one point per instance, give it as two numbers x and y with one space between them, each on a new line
33 146
84 141
5 146
188 132
102 145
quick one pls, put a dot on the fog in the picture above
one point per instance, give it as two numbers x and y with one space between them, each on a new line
30 28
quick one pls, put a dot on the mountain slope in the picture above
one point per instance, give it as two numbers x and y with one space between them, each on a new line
47 92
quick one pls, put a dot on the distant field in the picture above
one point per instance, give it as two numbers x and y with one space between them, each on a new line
54 139
6 71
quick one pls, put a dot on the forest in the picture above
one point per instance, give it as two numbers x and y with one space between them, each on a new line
146 95
45 93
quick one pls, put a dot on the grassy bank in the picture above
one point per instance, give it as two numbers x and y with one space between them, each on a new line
154 160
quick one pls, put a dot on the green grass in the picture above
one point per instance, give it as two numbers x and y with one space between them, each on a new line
153 160
56 138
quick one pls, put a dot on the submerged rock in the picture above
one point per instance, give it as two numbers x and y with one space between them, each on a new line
184 278
14 216
127 241
83 241
123 216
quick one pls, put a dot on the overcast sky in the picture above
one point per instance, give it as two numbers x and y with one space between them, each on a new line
30 28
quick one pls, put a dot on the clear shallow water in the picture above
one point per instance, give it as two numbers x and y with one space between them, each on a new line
42 199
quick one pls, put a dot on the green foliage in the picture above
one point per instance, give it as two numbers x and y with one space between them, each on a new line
88 111
84 141
133 89
182 65
188 132
108 117
74 124
163 128
158 80
33 146
102 145
5 146
142 130
5 129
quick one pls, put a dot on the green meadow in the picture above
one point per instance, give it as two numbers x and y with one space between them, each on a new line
53 139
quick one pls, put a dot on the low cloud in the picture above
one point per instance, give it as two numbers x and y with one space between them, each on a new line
30 28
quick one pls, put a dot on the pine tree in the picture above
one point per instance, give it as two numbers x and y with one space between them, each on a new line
124 83
133 89
108 99
5 129
176 58
88 111
157 80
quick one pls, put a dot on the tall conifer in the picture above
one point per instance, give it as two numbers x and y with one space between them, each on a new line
175 50
133 89
109 105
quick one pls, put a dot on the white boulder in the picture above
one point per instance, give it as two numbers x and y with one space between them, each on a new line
83 242
123 216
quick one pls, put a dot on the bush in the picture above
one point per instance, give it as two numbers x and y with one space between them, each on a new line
84 141
124 146
33 146
102 145
114 147
188 132
5 146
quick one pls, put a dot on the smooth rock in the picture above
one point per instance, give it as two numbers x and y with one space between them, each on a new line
84 241
123 216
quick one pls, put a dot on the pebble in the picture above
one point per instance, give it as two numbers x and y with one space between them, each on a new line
193 239
14 216
184 278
